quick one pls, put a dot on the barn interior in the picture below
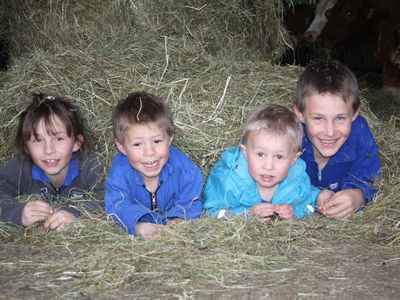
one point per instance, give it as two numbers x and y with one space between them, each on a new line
212 61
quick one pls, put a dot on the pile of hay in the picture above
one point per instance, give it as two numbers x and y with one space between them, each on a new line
212 62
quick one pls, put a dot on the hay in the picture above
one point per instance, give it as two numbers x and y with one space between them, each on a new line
212 62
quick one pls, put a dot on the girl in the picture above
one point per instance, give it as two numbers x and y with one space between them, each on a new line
54 166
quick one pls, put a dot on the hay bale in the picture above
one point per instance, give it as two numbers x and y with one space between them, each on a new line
201 57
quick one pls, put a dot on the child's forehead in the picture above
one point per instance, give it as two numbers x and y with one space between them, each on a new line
317 99
263 134
50 126
148 127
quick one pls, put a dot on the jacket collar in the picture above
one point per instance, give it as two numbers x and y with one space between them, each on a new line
73 171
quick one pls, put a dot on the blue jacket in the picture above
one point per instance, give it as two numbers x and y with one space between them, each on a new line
230 187
178 195
355 165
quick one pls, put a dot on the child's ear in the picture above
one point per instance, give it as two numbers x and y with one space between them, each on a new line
355 115
298 114
120 146
295 157
170 140
78 143
244 150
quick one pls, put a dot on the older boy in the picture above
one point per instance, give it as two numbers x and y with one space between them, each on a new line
338 147
150 183
263 175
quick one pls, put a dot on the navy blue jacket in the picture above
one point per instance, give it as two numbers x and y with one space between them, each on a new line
355 165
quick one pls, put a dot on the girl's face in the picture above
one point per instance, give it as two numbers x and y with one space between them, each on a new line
52 152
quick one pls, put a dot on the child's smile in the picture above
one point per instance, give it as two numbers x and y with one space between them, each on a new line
147 148
52 152
328 120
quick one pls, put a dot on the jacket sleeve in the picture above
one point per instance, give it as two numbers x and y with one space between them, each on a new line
188 204
120 203
91 181
221 192
10 181
365 168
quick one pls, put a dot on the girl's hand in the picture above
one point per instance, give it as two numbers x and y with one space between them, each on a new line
58 221
35 211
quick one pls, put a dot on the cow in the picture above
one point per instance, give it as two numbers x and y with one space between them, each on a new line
296 19
357 23
312 32
389 52
354 21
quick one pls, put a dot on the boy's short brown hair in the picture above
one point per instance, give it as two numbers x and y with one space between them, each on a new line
141 108
327 77
275 119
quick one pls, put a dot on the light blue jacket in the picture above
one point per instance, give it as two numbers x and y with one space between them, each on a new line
230 187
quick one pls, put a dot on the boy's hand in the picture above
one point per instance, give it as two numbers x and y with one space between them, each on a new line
175 221
35 211
285 211
59 220
343 204
263 211
323 198
148 229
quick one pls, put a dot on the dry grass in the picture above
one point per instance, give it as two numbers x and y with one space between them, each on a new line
212 62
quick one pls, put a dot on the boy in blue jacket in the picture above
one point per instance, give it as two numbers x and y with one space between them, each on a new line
338 146
263 175
150 183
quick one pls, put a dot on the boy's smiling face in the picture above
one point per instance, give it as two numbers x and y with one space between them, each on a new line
328 120
147 148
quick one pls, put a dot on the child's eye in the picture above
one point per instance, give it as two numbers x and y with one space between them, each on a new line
260 154
341 118
279 156
316 118
37 140
136 144
157 141
59 139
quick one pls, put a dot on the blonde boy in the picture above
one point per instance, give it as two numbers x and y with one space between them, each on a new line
338 147
263 175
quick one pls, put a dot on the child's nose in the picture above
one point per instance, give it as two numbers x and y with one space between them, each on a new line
148 150
268 164
48 148
329 129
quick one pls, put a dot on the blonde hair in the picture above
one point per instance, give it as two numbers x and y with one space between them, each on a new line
275 119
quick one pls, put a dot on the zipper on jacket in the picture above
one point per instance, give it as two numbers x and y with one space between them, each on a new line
58 193
153 197
319 175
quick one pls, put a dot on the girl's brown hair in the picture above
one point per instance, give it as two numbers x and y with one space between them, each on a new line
45 107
